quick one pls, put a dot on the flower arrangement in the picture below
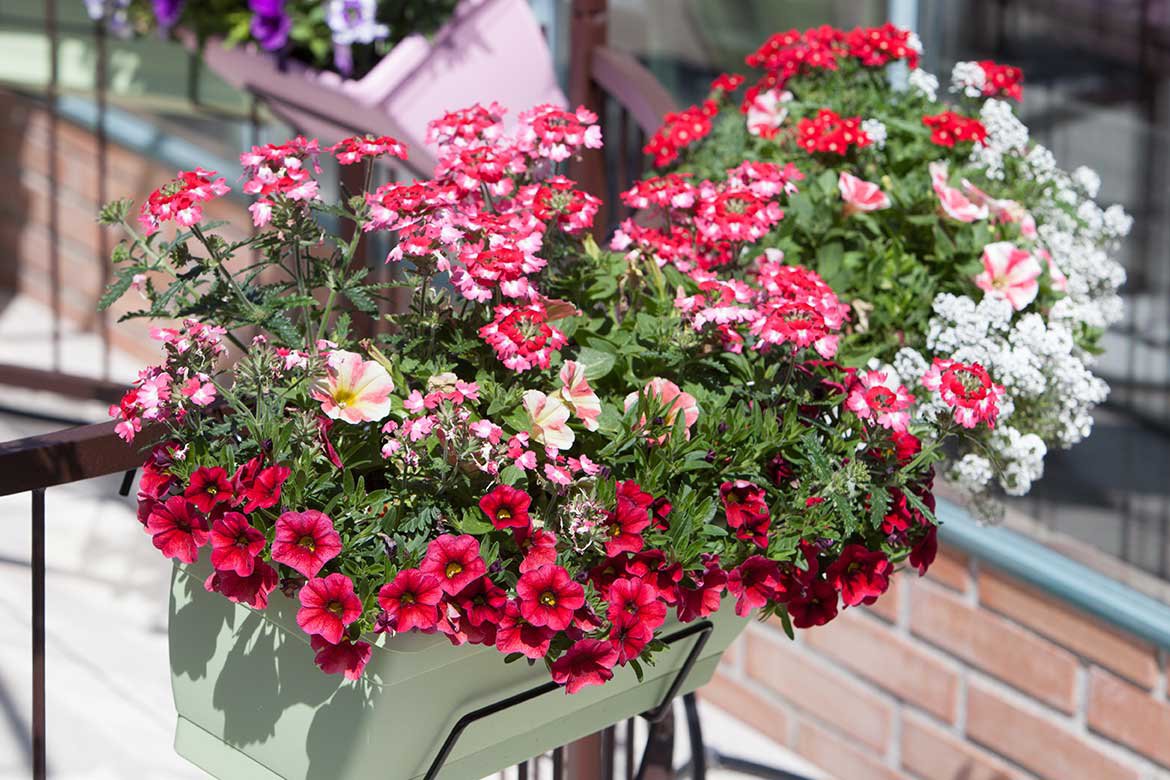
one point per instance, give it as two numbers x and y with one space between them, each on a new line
949 235
347 35
555 448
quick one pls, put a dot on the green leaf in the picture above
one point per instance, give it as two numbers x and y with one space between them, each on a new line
597 363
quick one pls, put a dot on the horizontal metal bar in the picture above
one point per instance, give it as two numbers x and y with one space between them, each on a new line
70 455
70 385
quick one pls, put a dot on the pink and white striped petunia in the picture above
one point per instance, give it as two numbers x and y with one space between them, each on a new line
860 195
1009 273
578 395
548 417
952 201
767 112
354 390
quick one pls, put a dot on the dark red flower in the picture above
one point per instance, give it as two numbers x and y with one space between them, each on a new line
411 601
651 566
587 662
754 583
252 590
208 486
631 518
549 597
923 553
660 513
235 544
177 530
305 541
540 549
780 471
345 657
629 637
906 446
705 597
747 511
517 635
637 599
481 602
259 488
506 507
860 574
454 560
814 605
328 605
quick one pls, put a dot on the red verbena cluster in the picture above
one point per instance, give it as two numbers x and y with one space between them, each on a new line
353 150
181 199
679 130
1006 80
280 172
949 128
831 133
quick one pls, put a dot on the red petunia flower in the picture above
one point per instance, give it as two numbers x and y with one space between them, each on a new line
345 657
549 596
923 553
328 605
481 602
235 544
540 549
629 637
651 566
259 488
754 583
587 662
637 599
506 507
411 601
631 518
455 561
252 590
517 635
177 530
208 487
707 594
305 541
814 605
860 574
747 511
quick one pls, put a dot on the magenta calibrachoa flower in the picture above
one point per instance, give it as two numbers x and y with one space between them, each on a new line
305 541
328 605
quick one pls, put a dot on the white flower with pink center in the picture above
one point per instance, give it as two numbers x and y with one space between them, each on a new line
767 112
1009 273
876 399
548 419
578 395
952 201
860 195
354 390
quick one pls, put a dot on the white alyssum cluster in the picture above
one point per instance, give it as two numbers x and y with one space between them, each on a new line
876 132
968 78
1007 136
971 473
924 83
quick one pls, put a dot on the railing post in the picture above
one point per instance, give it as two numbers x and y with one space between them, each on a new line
39 755
588 30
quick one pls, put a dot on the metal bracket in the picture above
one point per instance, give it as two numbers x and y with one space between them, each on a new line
703 628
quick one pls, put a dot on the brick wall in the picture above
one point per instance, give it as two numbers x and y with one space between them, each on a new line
965 674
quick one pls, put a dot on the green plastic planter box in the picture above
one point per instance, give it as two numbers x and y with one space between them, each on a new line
252 704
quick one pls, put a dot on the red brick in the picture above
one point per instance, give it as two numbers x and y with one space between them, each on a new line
878 653
951 569
1129 715
814 686
1036 742
840 757
751 706
996 645
933 753
1087 637
889 606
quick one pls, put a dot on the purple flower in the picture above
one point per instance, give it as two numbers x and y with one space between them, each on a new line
167 12
270 23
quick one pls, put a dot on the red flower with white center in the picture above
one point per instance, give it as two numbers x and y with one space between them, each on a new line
629 637
790 53
746 508
679 130
554 200
800 309
411 601
522 336
754 583
1006 80
949 128
258 488
860 574
550 131
365 147
516 635
252 590
454 560
305 541
952 201
872 398
967 389
235 544
587 662
1010 273
637 599
631 518
549 597
767 112
734 214
345 657
467 126
830 133
861 196
705 597
727 82
662 393
177 529
481 602
207 487
814 604
506 507
486 165
328 605
278 172
876 47
181 199
672 191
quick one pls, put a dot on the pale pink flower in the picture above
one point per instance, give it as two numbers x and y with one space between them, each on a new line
578 395
199 390
860 195
558 475
952 201
548 417
767 112
666 392
354 390
1004 211
1009 273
